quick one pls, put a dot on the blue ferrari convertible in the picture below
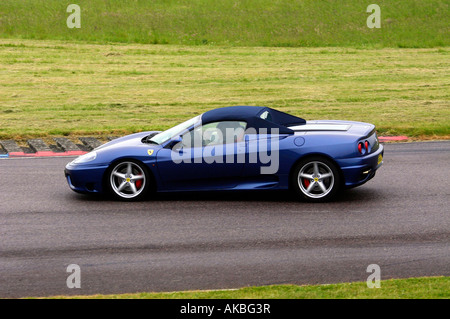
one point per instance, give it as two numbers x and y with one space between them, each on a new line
233 148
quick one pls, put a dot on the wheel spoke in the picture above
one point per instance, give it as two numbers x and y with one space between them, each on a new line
129 169
133 188
310 187
122 186
307 176
136 177
322 186
120 175
316 169
326 175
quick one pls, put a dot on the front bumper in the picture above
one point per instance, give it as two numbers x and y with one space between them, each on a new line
85 178
358 170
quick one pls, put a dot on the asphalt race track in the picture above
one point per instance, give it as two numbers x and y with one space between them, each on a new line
400 220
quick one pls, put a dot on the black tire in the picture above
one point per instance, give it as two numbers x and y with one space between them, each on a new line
128 180
316 179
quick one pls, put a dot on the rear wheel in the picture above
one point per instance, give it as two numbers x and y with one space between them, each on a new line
316 179
128 180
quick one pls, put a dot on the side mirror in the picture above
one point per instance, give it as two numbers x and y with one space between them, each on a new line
175 142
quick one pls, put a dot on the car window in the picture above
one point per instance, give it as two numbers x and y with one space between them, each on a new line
215 133
266 116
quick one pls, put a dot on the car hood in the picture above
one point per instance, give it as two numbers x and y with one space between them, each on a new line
126 146
128 140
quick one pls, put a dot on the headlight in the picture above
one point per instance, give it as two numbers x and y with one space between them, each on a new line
85 158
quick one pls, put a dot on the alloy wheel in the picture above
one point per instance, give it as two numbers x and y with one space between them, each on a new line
128 180
316 179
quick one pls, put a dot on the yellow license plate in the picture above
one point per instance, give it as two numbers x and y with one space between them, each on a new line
380 159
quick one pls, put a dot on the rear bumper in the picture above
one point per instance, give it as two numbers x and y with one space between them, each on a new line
358 170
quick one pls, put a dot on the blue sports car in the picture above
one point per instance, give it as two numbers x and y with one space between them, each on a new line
233 148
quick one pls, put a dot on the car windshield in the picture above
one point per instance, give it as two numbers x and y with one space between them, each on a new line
174 131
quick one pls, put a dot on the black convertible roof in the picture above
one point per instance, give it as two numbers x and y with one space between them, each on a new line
252 115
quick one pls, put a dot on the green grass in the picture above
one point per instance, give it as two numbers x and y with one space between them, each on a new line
411 288
312 23
62 88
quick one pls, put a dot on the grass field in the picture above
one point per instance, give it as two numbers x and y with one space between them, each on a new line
315 59
411 288
60 88
312 23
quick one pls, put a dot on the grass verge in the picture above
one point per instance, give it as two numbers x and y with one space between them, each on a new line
292 23
410 288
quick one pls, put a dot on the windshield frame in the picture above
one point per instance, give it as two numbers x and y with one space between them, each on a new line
167 135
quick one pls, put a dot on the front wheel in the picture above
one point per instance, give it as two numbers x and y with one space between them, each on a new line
316 179
128 180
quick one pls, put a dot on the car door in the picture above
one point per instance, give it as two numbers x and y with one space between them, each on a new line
262 157
210 156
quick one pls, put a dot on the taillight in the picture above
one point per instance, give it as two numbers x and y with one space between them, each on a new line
361 149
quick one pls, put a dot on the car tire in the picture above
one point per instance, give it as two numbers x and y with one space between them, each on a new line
316 179
128 180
